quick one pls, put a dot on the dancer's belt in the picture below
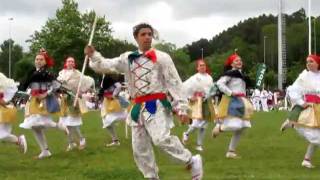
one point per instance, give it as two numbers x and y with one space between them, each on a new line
37 92
108 94
149 97
312 98
150 101
240 95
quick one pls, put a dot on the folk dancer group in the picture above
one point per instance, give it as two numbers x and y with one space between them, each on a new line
155 90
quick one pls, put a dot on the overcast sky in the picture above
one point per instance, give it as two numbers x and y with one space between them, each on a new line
178 21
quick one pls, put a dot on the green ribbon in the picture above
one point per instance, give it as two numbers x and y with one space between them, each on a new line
135 111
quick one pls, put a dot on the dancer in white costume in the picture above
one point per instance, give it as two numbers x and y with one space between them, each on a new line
151 74
111 110
8 88
270 100
234 110
256 97
304 93
70 117
264 100
42 102
197 87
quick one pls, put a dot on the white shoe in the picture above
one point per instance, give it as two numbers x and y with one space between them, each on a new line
285 125
196 167
114 143
44 154
232 155
82 143
71 147
216 131
22 142
307 164
199 148
185 138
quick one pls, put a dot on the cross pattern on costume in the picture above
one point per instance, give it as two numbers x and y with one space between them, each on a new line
140 80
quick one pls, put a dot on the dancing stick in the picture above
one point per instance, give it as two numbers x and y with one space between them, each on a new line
85 61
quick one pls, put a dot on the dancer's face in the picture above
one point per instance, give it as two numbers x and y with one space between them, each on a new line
237 63
201 67
312 65
39 61
144 39
70 63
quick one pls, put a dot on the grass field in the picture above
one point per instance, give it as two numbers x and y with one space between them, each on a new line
265 152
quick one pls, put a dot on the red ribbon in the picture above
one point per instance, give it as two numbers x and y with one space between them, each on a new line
151 54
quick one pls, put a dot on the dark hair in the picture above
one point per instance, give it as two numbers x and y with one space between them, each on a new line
140 26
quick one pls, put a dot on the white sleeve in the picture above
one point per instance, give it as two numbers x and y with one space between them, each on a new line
104 65
295 93
222 84
117 89
174 84
188 87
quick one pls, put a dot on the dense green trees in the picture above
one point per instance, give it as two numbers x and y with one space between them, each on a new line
67 33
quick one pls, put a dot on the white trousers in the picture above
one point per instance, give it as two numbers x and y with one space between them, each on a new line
155 129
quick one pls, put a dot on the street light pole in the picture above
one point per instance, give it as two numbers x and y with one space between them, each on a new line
309 25
264 49
10 40
315 35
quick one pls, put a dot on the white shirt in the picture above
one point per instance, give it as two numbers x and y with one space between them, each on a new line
200 82
70 79
306 83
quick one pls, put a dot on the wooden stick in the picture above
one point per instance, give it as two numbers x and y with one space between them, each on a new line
85 60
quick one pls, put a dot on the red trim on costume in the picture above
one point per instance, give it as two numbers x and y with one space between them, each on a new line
240 95
198 94
311 98
108 94
149 97
37 92
1 95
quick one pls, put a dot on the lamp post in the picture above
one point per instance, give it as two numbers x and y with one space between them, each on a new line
264 49
10 49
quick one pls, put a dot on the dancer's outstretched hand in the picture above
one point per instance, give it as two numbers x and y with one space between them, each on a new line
184 119
89 50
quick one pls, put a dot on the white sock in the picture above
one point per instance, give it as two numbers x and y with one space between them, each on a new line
200 138
70 135
234 140
190 130
309 152
78 132
41 139
112 131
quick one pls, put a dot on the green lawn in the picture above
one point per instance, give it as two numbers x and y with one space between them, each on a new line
266 154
